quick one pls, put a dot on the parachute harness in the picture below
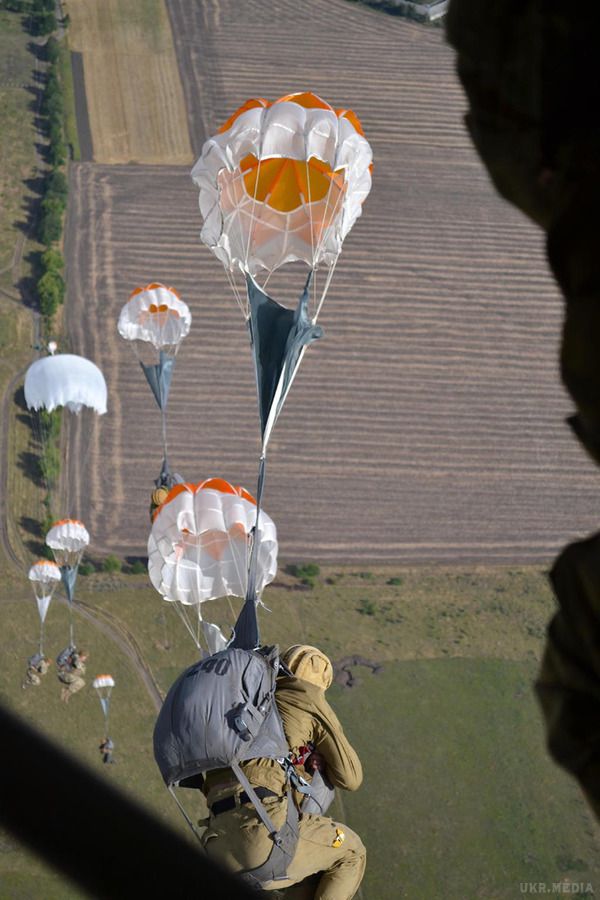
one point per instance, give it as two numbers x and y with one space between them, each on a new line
195 832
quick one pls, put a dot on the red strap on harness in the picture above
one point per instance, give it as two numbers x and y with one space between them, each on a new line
303 754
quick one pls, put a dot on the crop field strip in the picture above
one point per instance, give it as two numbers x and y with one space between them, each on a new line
136 107
427 424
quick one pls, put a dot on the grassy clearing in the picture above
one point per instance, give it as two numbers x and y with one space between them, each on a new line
459 800
498 613
17 136
135 101
15 343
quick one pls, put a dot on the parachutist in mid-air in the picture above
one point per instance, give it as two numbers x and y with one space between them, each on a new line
328 856
71 670
163 484
106 749
37 666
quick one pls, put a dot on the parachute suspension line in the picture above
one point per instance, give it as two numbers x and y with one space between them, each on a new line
317 244
163 416
312 235
236 293
106 711
82 434
266 281
41 638
241 563
326 287
252 212
184 618
41 429
232 611
322 238
185 816
251 589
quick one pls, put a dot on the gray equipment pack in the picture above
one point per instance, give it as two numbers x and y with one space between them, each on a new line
219 713
65 657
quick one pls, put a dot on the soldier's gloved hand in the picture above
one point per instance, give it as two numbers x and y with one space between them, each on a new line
315 762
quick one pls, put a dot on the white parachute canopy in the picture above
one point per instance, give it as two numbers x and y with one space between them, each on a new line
103 685
44 576
156 315
200 543
68 539
65 380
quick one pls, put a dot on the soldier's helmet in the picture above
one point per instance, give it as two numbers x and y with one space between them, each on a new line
309 664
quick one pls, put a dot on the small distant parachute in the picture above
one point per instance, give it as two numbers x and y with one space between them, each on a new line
103 685
67 540
155 320
155 315
44 576
65 380
200 545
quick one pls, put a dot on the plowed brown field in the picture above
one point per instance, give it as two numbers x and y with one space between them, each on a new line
135 103
428 424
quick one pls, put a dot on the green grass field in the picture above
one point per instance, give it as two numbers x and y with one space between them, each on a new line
17 136
459 801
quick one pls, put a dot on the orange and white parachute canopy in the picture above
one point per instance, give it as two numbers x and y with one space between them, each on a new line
199 546
103 684
282 181
156 315
44 576
68 539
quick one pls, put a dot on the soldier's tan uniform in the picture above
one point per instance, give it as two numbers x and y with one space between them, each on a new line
32 679
32 676
73 678
238 839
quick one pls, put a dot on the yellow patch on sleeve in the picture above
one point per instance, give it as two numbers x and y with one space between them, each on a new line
339 838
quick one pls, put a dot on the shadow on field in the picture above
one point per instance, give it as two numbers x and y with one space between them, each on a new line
29 464
38 547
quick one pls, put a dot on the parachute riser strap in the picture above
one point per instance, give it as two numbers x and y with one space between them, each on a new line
285 840
265 818
251 589
299 783
185 816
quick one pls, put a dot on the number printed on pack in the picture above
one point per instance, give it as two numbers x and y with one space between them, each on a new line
219 666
